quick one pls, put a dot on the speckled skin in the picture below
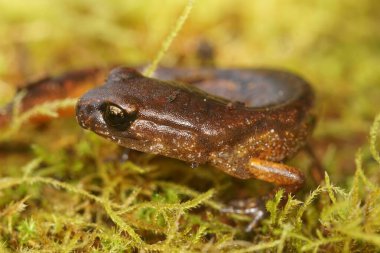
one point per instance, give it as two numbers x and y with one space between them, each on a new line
242 121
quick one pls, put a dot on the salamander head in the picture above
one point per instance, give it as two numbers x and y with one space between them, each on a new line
103 109
134 111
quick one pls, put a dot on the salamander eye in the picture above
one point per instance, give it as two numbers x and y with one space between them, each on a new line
118 118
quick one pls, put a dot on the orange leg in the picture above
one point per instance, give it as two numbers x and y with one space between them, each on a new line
282 175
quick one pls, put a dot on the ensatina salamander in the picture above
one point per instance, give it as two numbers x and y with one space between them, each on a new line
243 121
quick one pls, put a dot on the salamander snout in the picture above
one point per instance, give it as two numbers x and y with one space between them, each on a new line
87 113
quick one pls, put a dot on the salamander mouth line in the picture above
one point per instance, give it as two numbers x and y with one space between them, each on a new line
113 137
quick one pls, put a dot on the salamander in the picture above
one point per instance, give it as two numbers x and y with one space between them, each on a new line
245 122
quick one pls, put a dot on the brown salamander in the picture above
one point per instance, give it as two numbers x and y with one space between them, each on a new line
242 121
245 122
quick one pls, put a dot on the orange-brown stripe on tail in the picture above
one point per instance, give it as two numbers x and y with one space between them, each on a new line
68 85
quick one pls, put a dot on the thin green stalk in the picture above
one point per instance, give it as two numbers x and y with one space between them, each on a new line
169 39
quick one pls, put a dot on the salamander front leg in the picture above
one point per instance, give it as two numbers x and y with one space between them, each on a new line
283 176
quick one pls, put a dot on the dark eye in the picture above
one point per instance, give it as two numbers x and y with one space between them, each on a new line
118 118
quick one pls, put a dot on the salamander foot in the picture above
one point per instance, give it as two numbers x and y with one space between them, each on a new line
252 207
